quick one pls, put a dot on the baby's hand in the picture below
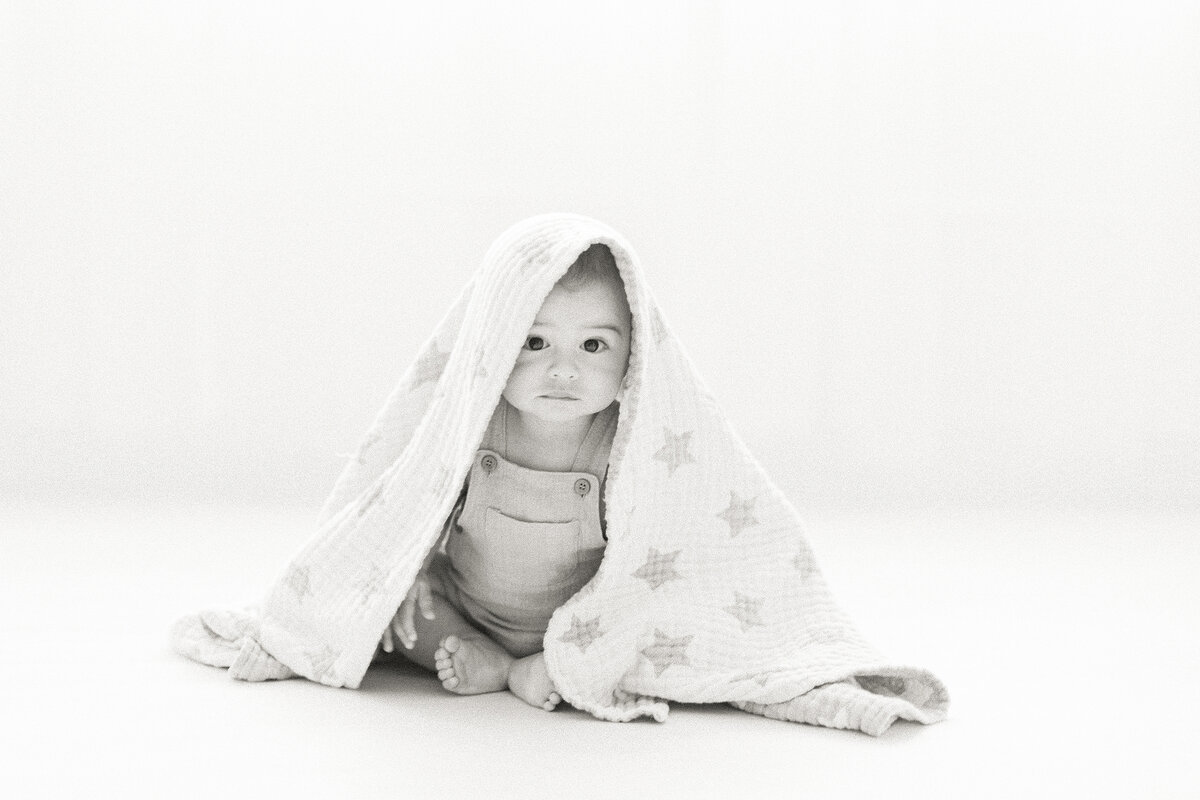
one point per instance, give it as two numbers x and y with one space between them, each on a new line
402 626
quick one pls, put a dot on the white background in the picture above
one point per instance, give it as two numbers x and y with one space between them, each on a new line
937 260
927 254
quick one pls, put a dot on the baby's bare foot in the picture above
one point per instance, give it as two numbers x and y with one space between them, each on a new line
528 680
472 665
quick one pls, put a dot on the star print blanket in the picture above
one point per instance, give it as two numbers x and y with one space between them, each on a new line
708 591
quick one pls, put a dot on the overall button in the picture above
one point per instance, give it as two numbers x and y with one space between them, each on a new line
582 486
488 463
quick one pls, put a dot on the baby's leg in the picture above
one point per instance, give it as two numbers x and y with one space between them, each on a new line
465 660
528 680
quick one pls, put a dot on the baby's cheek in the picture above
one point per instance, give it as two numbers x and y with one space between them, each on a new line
516 377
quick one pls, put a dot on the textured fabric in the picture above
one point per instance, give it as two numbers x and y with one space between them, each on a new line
526 540
708 590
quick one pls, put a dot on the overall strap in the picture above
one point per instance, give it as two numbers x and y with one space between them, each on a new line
593 455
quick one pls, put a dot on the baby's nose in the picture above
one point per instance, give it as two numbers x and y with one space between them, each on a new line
564 370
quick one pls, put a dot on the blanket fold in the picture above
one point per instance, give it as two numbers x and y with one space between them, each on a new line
708 591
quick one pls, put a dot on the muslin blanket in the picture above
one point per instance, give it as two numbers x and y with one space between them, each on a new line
708 591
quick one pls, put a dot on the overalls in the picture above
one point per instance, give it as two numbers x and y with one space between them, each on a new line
524 540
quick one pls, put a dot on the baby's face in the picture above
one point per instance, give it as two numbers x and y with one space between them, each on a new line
575 355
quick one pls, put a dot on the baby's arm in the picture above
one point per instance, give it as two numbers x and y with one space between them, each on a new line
420 594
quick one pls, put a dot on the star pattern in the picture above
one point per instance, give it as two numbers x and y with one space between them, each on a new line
674 452
297 581
582 634
667 651
747 610
430 366
371 582
659 568
757 678
740 514
322 660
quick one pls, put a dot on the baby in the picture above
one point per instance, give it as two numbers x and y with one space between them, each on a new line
528 530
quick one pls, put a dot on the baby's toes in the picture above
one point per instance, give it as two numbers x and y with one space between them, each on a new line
552 701
448 677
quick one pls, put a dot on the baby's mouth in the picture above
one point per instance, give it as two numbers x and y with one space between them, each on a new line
560 396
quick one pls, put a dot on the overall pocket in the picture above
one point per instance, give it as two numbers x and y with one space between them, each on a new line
536 559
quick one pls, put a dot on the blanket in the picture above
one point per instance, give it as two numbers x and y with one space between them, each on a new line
708 591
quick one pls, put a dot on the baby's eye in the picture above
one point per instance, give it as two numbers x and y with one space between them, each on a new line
594 345
535 343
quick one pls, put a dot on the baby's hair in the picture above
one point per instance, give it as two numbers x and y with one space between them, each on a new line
595 263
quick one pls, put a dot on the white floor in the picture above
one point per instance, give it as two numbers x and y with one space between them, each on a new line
1069 643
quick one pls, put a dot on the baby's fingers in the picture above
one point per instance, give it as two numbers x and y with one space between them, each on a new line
425 600
388 644
398 632
403 624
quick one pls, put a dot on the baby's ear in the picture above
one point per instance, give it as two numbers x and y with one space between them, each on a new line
620 396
